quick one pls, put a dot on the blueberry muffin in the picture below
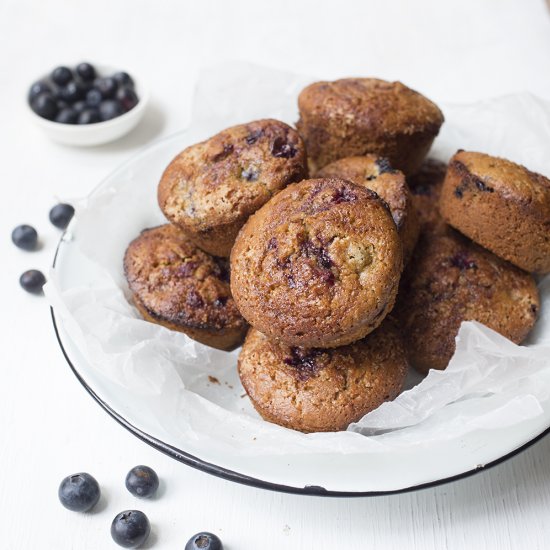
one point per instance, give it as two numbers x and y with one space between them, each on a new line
425 188
377 174
501 205
322 390
211 188
319 265
356 116
450 280
177 285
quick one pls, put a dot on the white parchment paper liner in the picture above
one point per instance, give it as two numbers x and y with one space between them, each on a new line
490 383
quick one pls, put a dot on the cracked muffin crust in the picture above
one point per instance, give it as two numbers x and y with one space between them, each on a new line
455 280
177 285
356 116
377 174
425 188
319 265
211 188
501 205
320 390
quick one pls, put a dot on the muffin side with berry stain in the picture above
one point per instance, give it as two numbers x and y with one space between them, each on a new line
177 285
210 189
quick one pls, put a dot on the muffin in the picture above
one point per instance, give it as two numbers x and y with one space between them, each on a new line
501 205
451 280
377 174
425 188
356 116
211 188
177 285
320 390
319 265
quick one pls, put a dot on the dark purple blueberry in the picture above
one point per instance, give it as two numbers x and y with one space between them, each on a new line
343 194
38 88
250 174
459 193
85 71
109 109
280 148
221 301
89 116
25 237
61 104
194 299
79 492
80 106
61 214
482 186
93 97
204 541
130 528
67 116
61 76
107 86
460 260
384 166
71 92
32 281
45 106
127 98
253 137
142 481
224 153
123 79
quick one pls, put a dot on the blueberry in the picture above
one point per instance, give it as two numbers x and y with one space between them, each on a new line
127 98
85 71
107 86
45 106
71 92
38 88
79 106
88 116
130 528
61 215
204 541
142 481
61 75
61 104
109 109
94 97
123 79
67 116
25 237
79 492
32 281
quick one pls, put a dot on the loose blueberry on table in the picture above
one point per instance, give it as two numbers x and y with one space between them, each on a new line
25 237
204 541
32 281
61 214
79 492
81 96
142 481
130 529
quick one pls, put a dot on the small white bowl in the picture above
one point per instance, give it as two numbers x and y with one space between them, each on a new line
99 132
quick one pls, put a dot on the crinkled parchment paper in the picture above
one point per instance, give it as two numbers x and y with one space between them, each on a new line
192 392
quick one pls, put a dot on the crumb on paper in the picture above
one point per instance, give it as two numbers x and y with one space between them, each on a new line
286 529
213 379
243 395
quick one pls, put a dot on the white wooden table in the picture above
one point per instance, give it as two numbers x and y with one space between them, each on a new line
49 427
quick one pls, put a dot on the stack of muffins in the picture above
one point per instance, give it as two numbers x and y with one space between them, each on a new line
349 275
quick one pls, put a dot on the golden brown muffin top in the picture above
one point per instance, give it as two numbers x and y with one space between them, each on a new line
370 103
321 258
375 173
320 389
177 282
450 280
229 176
510 180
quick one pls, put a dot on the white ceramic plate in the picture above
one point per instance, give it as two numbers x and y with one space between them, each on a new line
325 474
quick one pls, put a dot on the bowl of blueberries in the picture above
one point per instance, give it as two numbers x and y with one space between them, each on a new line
86 104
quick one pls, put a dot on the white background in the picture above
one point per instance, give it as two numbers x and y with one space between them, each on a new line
49 427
